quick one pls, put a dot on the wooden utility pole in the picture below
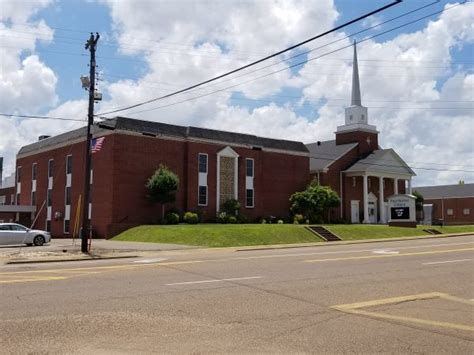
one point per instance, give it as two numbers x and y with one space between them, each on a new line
91 46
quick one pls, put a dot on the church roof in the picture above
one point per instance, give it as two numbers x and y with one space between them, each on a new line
446 191
382 161
323 154
158 128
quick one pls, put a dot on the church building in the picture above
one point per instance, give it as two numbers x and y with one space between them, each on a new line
356 167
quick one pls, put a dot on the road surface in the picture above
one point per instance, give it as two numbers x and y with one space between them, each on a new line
390 297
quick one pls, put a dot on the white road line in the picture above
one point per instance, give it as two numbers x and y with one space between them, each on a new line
446 261
215 280
149 261
385 251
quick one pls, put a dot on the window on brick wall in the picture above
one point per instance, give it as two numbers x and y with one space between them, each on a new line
202 163
249 198
202 196
354 182
449 212
50 168
69 164
18 174
466 211
68 195
249 167
33 171
33 198
66 226
17 199
49 198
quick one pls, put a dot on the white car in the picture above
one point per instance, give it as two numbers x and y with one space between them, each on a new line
13 233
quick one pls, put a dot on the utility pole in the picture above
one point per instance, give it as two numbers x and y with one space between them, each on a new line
91 46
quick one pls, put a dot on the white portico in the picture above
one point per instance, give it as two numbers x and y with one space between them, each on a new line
387 166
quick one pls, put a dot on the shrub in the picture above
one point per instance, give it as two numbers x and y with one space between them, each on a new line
191 218
171 218
298 219
280 221
231 206
231 219
242 219
222 217
263 221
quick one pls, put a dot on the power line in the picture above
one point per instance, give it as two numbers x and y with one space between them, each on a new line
42 117
262 59
265 75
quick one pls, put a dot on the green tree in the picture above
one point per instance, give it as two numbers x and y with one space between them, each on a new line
162 187
314 202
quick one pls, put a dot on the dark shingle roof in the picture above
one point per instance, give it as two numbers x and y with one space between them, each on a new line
432 192
323 154
157 128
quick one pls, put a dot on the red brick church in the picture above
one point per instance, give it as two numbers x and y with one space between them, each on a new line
212 166
355 166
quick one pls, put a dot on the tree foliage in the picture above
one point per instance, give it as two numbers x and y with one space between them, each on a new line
162 186
314 202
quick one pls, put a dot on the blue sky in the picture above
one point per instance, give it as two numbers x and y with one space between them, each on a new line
416 80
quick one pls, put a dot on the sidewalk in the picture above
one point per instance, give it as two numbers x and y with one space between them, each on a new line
70 250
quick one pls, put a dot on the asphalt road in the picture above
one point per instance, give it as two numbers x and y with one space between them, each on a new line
392 297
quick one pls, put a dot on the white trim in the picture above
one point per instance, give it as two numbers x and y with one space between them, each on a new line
249 183
202 178
230 153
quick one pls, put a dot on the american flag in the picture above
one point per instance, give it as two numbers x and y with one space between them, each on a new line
97 144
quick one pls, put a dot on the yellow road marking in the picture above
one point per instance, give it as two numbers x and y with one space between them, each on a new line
389 255
354 308
28 276
46 278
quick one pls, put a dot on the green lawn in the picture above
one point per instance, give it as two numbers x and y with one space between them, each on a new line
221 235
228 235
360 231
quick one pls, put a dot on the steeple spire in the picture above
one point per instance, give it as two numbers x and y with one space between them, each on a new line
356 100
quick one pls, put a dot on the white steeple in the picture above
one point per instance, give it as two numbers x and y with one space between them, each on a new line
357 118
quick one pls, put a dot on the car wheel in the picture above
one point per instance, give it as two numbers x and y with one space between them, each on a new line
39 240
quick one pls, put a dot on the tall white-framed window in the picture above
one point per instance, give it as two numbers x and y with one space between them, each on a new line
34 172
67 195
18 185
49 195
249 183
203 166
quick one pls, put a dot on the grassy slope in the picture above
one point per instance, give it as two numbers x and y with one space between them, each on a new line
360 231
220 235
226 235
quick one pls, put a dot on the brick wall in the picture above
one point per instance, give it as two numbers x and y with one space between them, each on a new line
457 205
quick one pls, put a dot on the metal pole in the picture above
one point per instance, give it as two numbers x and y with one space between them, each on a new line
91 46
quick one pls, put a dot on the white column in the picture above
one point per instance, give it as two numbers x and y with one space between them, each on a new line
409 186
366 199
381 201
395 186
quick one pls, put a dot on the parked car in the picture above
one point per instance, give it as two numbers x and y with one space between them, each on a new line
13 233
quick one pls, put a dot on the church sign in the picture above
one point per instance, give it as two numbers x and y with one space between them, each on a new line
402 210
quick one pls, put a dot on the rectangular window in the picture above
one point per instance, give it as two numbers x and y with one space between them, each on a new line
69 164
68 195
18 174
249 167
50 167
3 200
249 198
449 212
50 198
33 198
48 226
17 199
33 171
66 226
202 196
353 181
466 211
202 163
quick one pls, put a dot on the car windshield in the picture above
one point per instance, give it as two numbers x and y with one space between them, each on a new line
16 227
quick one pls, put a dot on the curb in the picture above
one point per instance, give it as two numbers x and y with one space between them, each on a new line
348 242
42 261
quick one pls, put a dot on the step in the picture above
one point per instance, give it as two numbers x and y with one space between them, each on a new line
324 233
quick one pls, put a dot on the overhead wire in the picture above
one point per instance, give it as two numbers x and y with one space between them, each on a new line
262 76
